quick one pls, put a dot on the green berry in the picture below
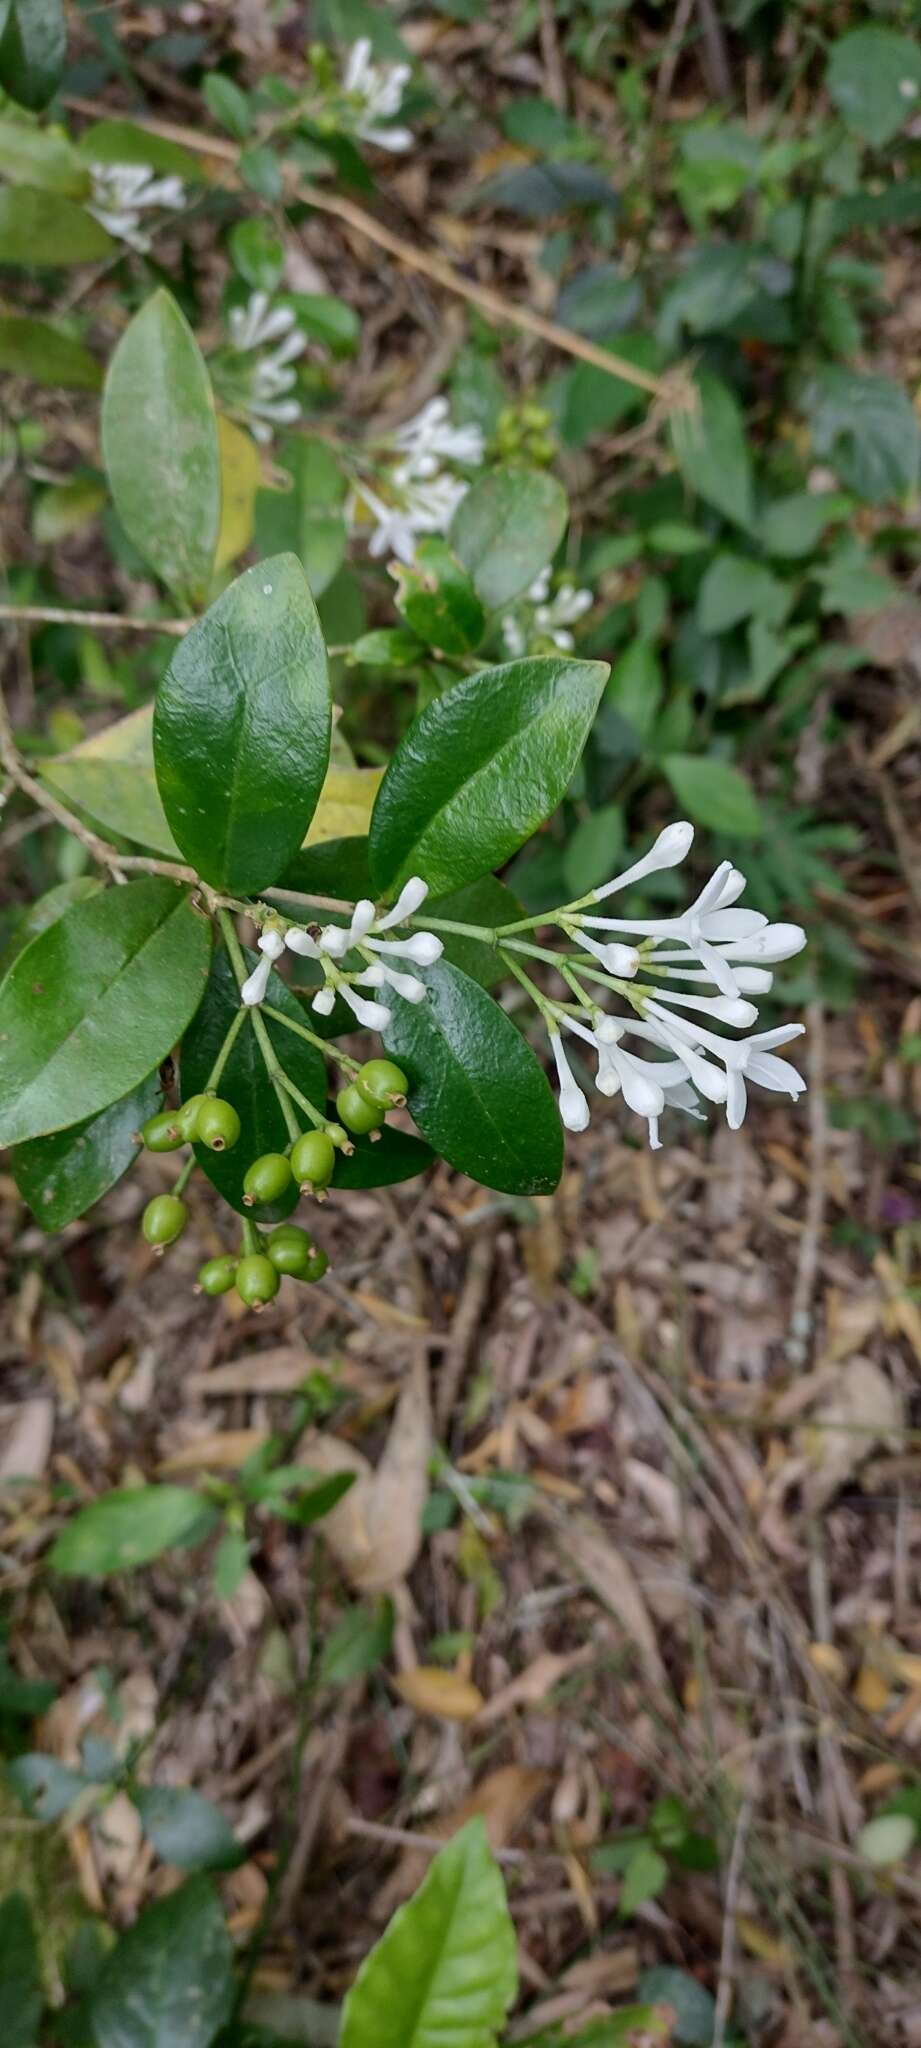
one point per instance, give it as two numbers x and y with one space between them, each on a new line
187 1117
164 1220
162 1132
382 1083
218 1125
267 1178
312 1161
315 1267
356 1112
217 1276
257 1280
290 1249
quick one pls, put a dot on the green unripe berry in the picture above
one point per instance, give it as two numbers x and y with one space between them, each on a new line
266 1179
315 1267
356 1112
218 1125
257 1280
382 1083
312 1161
187 1117
162 1133
290 1249
164 1220
217 1276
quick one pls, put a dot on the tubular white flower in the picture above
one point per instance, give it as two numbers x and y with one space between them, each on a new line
429 438
423 948
271 946
574 1110
121 192
410 899
258 322
324 1001
406 985
668 851
378 89
374 1016
298 941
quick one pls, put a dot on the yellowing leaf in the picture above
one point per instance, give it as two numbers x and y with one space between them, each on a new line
241 476
433 1691
346 802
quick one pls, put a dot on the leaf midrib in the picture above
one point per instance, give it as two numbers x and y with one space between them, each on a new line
468 786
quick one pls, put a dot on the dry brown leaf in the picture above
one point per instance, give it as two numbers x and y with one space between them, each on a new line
531 1686
25 1438
433 1691
608 1574
278 1371
864 1410
502 1801
376 1529
225 1450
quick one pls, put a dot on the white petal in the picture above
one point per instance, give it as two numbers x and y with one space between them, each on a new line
669 849
298 941
374 1016
255 986
411 896
272 943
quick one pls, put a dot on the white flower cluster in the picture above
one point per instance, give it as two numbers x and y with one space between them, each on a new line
267 402
122 192
375 94
362 935
724 952
412 493
551 617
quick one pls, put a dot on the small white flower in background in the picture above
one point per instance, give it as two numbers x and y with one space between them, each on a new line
412 494
429 438
122 192
271 375
546 617
376 91
707 961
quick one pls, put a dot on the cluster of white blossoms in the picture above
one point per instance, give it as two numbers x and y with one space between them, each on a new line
374 93
122 192
413 493
380 958
678 976
550 618
267 400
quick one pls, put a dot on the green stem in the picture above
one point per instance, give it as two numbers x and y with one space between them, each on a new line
483 932
185 1176
272 1067
316 1116
252 1241
313 1038
526 983
224 1054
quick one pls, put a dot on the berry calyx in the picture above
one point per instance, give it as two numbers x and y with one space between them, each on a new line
187 1117
382 1083
290 1249
217 1276
267 1178
257 1280
315 1267
218 1125
162 1132
357 1113
312 1163
164 1220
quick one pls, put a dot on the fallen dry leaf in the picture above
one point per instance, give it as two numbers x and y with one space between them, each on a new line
433 1691
864 1410
376 1529
25 1439
531 1686
608 1574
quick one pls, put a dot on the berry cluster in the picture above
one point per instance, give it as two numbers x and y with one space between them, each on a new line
310 1160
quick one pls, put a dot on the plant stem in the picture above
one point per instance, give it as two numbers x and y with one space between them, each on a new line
185 1176
483 932
272 1067
252 1241
528 984
343 1059
225 1052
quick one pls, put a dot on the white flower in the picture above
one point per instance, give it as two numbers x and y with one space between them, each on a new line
417 507
574 1111
514 636
271 375
566 606
429 438
377 90
271 946
362 934
122 192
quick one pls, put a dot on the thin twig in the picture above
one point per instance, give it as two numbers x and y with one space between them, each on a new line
101 622
730 1907
467 1317
807 1265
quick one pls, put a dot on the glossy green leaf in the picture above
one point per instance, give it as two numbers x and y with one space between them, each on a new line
46 1787
334 867
487 902
61 1176
443 1975
20 1973
242 726
186 1829
438 601
45 911
394 1156
30 155
33 51
480 769
95 1003
129 1527
874 80
477 1092
160 447
245 1084
712 452
39 228
506 529
123 142
715 794
169 1979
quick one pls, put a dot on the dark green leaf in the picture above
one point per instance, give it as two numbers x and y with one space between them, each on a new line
715 794
228 104
34 349
477 1092
123 142
445 1969
186 1829
586 401
388 647
95 1003
712 452
245 1083
480 769
46 910
160 446
360 1639
130 1527
241 728
438 601
30 155
20 1974
46 1788
735 588
506 529
866 427
42 227
635 687
487 902
693 2007
334 867
874 79
599 302
395 1156
257 253
169 1980
313 1502
33 51
61 1176
793 526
